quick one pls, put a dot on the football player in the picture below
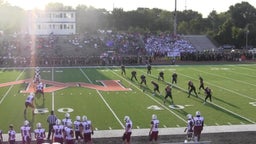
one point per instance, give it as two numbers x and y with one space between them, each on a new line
153 132
149 69
128 130
201 85
161 76
168 93
123 70
191 88
25 131
1 137
198 126
66 119
11 135
174 78
156 88
77 125
40 89
208 94
87 130
69 133
189 128
39 133
29 102
134 73
58 132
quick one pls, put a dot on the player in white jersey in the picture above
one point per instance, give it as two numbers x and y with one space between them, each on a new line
58 132
39 133
189 128
40 89
128 130
69 133
29 102
153 133
1 136
11 135
66 119
198 126
87 130
25 131
77 127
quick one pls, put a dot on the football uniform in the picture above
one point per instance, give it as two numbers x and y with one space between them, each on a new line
69 134
77 125
174 78
12 136
87 130
154 127
39 135
29 101
191 88
58 133
128 131
25 134
198 126
65 121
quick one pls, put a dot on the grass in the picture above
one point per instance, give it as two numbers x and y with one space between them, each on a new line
233 88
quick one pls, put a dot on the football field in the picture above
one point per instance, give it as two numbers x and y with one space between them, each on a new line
105 96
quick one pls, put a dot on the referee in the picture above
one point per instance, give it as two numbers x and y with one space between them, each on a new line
51 121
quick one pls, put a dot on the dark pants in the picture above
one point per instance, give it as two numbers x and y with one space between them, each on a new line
50 130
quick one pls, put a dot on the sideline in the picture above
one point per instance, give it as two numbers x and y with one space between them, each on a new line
162 131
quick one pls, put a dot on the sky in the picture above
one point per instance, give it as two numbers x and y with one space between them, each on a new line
202 6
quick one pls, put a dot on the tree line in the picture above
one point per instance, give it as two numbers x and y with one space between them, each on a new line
236 26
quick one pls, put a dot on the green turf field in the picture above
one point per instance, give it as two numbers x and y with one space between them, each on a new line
234 98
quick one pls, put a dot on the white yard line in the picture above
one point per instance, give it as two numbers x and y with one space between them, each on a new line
2 99
106 103
165 107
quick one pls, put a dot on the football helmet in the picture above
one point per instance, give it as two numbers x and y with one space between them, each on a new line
38 125
189 116
26 122
198 113
126 118
154 117
67 115
32 93
78 118
58 121
84 118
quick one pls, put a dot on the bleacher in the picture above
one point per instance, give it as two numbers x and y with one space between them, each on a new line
200 42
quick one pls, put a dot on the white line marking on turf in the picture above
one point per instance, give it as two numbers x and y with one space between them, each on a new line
241 123
164 126
104 100
110 128
138 127
178 125
96 129
216 124
229 123
11 87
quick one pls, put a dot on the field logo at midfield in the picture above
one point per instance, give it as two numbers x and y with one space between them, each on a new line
52 86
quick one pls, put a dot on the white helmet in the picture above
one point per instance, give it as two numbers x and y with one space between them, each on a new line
189 116
58 121
26 122
198 113
67 115
32 93
154 117
84 118
126 118
39 125
78 118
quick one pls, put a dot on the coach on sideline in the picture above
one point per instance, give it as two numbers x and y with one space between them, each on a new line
51 121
